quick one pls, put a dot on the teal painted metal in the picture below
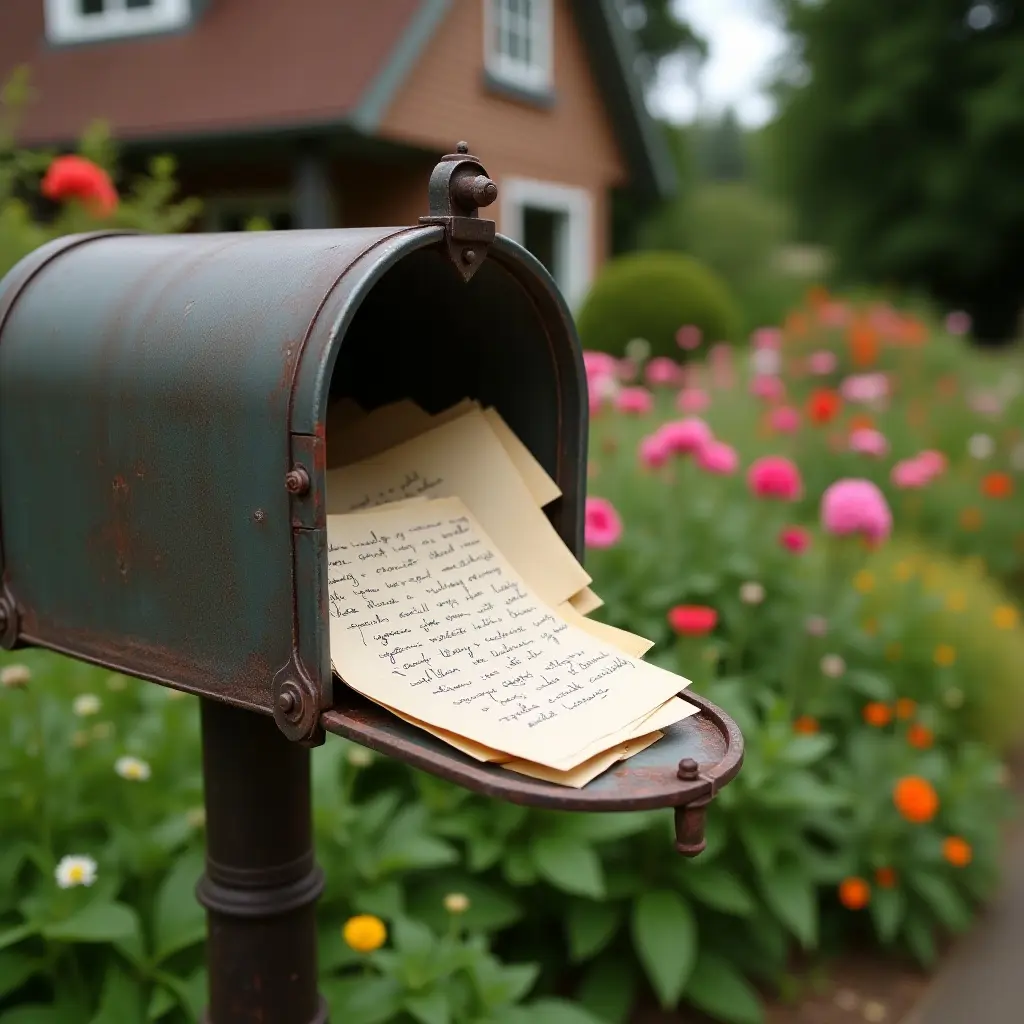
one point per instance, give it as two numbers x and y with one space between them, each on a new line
155 391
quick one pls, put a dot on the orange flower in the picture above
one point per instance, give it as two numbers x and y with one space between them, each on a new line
796 324
997 485
817 296
957 851
863 344
920 736
861 422
823 405
915 798
947 386
854 893
806 725
970 519
905 708
885 878
877 714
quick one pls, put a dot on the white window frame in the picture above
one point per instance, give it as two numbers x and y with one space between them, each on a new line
65 22
536 76
575 250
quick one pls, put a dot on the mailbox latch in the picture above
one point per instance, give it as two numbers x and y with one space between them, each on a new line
458 188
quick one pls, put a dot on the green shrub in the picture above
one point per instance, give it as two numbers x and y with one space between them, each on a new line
651 295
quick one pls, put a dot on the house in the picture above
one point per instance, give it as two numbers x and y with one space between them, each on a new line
319 113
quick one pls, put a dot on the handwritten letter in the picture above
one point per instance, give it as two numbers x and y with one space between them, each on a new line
428 618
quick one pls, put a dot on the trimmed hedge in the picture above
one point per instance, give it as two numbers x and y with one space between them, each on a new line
651 295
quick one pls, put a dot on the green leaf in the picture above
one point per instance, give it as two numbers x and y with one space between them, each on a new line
97 922
591 927
720 889
490 908
383 900
179 920
14 935
121 1001
608 988
801 791
161 1004
801 751
943 900
568 865
869 685
790 895
717 988
599 828
412 936
887 908
362 1000
559 1011
761 841
30 1014
665 936
15 969
920 939
430 1008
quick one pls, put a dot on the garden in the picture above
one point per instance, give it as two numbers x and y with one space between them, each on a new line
819 525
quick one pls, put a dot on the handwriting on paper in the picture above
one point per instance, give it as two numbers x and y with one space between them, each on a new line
427 617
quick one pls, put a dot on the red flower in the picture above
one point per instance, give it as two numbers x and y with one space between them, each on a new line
74 177
795 539
823 406
692 619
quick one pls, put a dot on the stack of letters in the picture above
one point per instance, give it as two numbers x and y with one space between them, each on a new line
455 604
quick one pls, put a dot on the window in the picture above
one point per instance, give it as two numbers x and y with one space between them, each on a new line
555 223
518 44
74 21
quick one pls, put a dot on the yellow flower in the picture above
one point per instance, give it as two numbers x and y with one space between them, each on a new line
1005 616
864 581
364 933
956 601
945 655
903 571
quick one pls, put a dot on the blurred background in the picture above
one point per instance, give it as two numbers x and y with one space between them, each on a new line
792 236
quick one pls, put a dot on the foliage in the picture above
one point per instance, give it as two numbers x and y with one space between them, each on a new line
650 295
26 221
900 142
660 32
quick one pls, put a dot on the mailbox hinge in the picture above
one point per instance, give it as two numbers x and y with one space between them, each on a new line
458 187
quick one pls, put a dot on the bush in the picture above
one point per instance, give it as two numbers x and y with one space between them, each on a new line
650 295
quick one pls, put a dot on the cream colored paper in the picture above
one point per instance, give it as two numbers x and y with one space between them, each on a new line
578 777
535 476
465 458
586 601
411 589
629 643
375 432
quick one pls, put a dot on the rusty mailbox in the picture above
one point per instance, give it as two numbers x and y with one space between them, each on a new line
163 402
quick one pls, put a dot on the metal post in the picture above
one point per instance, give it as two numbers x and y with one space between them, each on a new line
262 881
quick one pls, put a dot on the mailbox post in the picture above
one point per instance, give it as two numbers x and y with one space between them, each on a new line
163 404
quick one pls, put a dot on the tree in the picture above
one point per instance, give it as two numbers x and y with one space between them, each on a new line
660 32
721 148
900 140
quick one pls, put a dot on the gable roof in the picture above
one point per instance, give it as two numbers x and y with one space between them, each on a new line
255 66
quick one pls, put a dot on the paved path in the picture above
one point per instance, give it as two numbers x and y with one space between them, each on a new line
983 981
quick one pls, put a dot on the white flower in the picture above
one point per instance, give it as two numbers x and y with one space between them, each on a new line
816 625
132 768
766 362
12 677
75 870
752 592
638 350
456 903
360 757
981 446
833 666
86 704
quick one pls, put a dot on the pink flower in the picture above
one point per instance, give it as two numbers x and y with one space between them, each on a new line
693 400
866 441
934 461
769 389
720 352
626 370
911 474
856 506
865 387
775 476
602 526
767 337
834 314
795 539
661 370
686 437
654 452
637 401
718 457
958 323
784 419
599 364
822 363
688 337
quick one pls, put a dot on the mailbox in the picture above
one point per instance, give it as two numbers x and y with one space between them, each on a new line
163 409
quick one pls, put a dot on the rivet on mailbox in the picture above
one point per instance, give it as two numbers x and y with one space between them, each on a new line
145 527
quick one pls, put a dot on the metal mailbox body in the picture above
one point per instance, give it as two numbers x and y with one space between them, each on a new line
156 391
